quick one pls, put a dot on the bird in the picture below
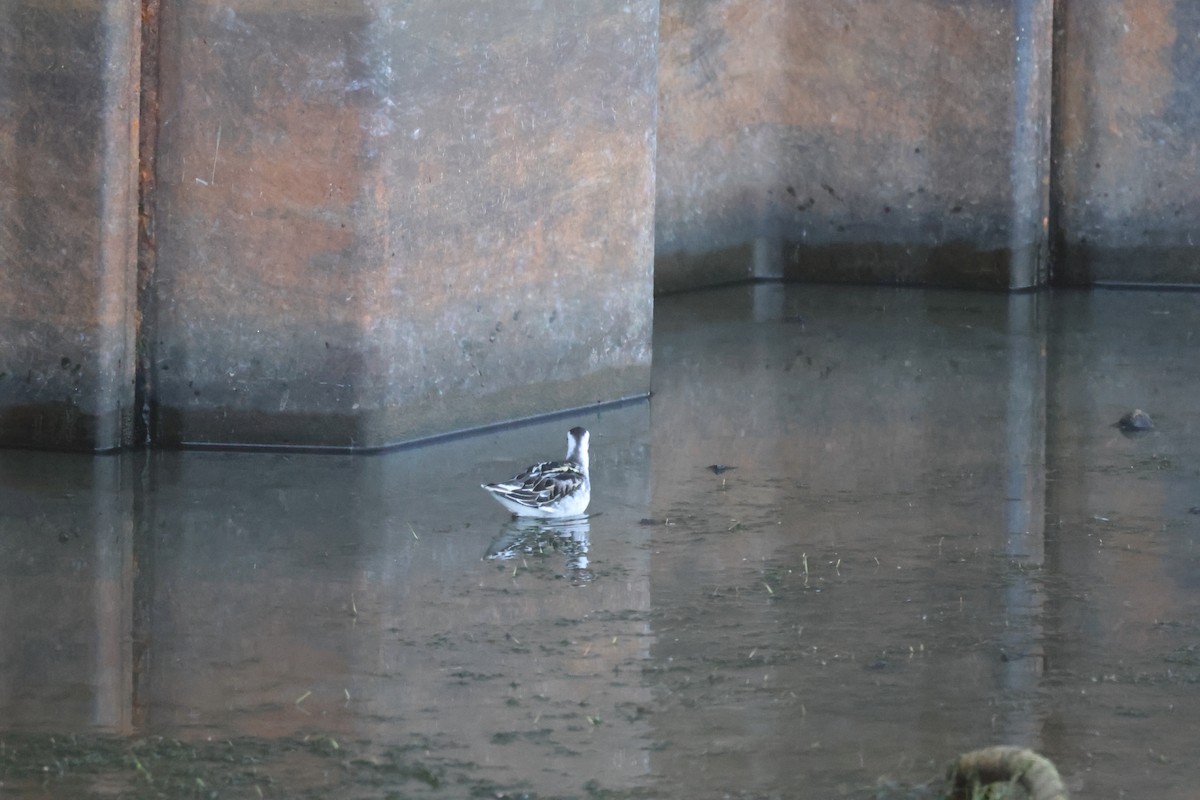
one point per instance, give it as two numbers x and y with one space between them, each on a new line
551 489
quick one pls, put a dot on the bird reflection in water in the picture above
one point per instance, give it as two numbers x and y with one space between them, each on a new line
523 537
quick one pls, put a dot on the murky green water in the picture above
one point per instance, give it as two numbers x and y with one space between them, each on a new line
931 538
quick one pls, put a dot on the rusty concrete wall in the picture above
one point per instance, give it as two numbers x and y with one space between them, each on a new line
1127 141
896 142
68 199
369 222
381 221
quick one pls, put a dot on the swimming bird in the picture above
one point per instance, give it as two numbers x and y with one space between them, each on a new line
551 488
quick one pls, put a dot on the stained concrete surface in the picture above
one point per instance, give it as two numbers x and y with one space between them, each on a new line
903 142
931 537
68 204
379 222
1127 129
358 218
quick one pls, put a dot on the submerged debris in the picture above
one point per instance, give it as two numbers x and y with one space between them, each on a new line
1136 420
1035 774
717 469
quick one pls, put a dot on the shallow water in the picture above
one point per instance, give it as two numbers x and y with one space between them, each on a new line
931 538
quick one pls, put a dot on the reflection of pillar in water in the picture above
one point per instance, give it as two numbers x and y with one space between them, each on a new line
66 566
111 524
1024 511
768 302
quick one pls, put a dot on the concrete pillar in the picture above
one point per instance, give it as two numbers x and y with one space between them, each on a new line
381 221
1127 135
68 204
876 142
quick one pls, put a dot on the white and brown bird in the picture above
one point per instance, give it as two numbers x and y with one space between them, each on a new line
551 488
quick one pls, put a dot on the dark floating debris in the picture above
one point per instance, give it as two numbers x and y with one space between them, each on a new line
1136 420
651 521
1194 510
717 469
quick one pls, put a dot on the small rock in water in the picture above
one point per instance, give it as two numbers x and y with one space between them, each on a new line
1136 420
717 469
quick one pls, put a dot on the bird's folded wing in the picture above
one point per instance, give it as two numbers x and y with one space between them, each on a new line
541 484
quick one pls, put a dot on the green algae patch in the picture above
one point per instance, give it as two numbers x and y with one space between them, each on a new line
151 767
